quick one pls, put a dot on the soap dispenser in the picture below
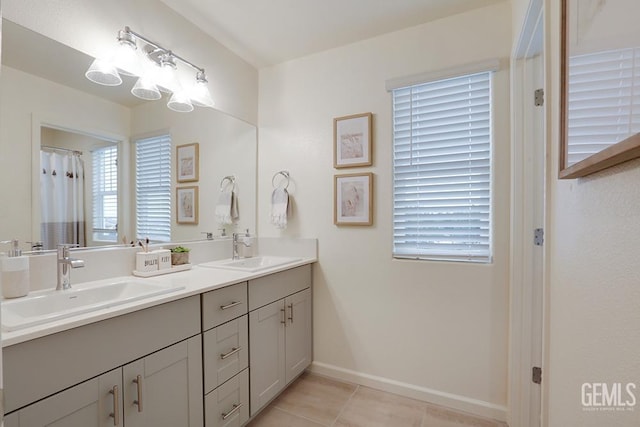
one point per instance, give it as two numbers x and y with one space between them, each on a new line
14 272
247 247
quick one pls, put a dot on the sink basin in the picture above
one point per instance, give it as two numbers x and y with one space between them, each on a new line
45 306
252 265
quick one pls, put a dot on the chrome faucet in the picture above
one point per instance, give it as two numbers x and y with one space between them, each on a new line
65 264
236 242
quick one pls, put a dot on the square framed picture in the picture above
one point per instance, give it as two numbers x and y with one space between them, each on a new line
353 199
187 205
352 141
187 159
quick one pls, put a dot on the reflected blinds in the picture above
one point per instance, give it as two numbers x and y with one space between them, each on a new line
104 188
153 188
442 169
603 108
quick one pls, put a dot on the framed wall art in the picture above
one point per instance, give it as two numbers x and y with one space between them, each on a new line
352 141
187 205
187 162
353 199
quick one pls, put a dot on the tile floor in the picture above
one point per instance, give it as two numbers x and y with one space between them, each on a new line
316 401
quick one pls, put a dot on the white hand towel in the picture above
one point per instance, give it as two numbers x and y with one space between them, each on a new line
223 208
279 207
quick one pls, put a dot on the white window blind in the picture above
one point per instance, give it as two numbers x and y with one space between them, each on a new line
104 188
153 188
442 169
602 106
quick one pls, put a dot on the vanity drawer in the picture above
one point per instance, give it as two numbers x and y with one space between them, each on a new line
221 305
226 352
267 289
228 405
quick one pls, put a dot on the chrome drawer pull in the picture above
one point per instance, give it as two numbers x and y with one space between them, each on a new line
116 409
232 304
233 351
138 402
235 409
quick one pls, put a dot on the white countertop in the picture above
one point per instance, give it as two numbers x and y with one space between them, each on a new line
194 282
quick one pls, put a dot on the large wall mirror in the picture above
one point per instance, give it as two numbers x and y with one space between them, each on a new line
60 133
600 85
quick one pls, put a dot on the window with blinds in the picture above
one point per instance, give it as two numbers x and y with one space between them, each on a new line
104 188
602 106
442 169
153 188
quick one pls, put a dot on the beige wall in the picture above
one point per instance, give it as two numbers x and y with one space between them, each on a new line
430 329
91 27
594 271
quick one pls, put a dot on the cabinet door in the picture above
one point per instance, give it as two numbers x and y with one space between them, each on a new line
267 358
96 402
298 333
164 389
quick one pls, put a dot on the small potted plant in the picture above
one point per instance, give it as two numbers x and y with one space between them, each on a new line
180 255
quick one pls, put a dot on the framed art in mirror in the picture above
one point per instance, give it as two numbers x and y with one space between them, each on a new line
187 205
187 162
600 86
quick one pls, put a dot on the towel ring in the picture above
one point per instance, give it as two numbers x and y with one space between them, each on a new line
230 178
286 176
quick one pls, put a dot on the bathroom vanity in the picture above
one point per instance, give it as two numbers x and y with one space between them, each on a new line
184 359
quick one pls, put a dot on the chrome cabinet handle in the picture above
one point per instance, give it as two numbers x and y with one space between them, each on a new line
284 316
235 409
232 304
233 351
291 308
116 406
138 402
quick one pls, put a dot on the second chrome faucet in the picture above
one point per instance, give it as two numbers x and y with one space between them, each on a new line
65 264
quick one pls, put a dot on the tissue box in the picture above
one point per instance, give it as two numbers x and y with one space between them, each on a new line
146 261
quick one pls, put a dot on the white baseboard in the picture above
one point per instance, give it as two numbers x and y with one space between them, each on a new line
453 401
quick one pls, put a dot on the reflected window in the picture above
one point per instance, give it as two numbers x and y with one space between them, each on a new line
105 194
603 105
153 188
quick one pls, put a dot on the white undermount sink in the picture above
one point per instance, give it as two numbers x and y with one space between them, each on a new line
46 306
252 265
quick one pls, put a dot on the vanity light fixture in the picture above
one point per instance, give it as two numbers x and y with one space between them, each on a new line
156 69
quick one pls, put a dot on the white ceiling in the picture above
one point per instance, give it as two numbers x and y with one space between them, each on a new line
267 32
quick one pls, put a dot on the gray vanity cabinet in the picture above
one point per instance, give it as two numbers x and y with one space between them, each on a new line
279 332
58 379
94 403
163 389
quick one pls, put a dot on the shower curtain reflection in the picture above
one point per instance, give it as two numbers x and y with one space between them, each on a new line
62 198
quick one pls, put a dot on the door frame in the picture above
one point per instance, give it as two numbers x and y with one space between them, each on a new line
522 331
